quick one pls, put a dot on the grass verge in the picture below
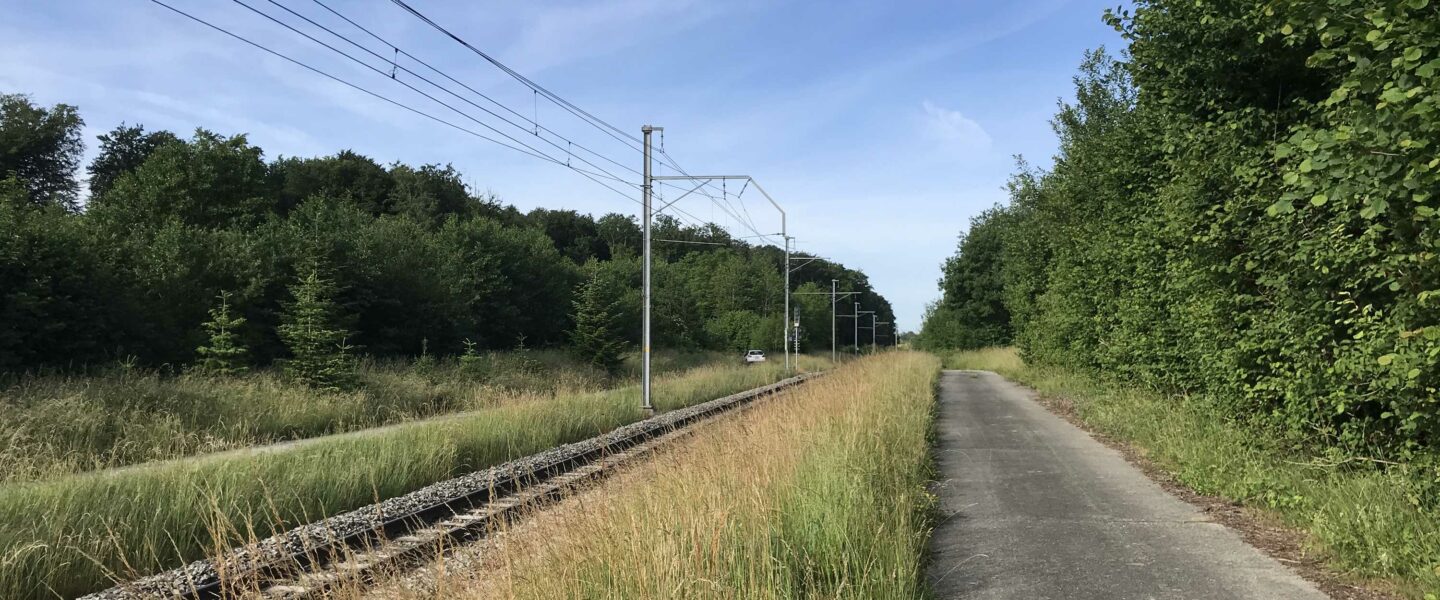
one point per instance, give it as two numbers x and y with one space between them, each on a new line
1367 522
56 425
819 493
72 535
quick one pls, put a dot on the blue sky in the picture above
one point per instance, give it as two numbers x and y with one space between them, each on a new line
880 126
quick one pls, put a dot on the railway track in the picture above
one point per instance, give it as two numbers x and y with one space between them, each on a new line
350 549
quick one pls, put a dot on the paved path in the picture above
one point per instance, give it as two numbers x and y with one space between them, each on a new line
1034 508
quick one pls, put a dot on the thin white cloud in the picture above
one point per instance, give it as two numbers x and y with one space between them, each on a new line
953 129
557 35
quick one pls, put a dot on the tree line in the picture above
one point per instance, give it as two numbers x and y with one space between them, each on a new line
199 252
1244 206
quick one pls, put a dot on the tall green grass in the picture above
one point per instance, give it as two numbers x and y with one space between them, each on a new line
54 425
855 521
68 536
818 494
1368 521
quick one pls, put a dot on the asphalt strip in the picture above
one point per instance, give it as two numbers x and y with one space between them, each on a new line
1033 507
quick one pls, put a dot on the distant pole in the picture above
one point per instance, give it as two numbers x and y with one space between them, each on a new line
833 356
786 344
647 189
857 328
859 312
795 333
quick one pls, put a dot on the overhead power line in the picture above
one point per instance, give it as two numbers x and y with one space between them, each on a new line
534 129
598 175
377 95
339 80
535 123
597 171
601 171
570 107
580 113
690 242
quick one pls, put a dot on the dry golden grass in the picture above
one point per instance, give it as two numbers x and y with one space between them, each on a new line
817 493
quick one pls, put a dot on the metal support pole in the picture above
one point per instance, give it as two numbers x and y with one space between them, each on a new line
857 328
833 356
786 343
784 233
647 190
859 312
795 329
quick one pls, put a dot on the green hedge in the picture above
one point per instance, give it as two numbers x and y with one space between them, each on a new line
1245 206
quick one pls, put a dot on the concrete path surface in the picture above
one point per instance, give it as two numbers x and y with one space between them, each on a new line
1034 508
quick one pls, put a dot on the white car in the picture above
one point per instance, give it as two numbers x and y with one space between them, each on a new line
754 356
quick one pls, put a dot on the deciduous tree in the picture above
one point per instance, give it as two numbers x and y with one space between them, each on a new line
122 151
41 148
